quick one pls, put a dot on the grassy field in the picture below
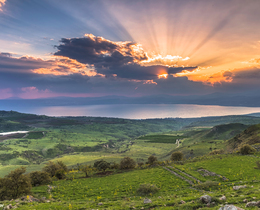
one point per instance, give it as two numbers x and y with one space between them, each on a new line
119 190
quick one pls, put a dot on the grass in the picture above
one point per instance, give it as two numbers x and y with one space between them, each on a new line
119 190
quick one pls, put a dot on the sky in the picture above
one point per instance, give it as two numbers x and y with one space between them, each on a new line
76 48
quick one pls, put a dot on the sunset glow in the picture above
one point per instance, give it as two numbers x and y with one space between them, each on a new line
117 47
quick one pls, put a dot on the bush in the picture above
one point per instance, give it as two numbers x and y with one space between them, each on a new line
247 149
152 160
147 189
177 156
88 170
217 152
114 166
51 168
15 184
39 178
60 174
208 185
127 163
101 165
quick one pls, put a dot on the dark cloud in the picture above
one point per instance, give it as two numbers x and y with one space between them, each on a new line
22 64
113 58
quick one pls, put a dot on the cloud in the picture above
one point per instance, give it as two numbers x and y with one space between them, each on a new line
125 60
99 51
2 3
57 66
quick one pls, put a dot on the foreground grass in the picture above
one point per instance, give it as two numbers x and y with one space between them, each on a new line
119 190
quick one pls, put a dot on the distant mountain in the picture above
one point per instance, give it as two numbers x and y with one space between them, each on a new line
211 99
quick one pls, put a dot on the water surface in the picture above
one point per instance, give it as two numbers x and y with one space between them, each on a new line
141 111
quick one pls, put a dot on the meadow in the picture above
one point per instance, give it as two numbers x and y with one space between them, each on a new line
119 190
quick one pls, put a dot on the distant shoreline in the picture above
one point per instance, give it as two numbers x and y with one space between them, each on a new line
13 132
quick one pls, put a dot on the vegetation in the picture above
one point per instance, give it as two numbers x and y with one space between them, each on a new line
101 165
147 189
177 156
39 178
152 160
15 184
247 149
127 163
85 161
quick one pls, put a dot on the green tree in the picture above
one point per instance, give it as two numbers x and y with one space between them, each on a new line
152 160
39 178
15 184
101 165
127 163
177 156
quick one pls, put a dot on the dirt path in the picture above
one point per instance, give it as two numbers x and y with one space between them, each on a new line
187 174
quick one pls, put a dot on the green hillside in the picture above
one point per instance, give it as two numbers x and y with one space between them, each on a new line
250 136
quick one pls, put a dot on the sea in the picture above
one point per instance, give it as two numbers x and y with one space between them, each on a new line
138 111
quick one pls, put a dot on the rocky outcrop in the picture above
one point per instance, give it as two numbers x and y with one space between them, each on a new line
205 199
209 173
230 207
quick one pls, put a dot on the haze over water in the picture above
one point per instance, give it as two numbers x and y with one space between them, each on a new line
140 111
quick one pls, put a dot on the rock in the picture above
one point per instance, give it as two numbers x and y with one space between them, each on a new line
230 207
254 198
239 187
100 203
253 203
245 200
142 208
9 206
223 198
205 199
182 202
147 201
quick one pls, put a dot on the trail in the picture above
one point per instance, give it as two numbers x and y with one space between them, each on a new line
187 174
181 177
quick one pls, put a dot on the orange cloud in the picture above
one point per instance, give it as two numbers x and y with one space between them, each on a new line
2 3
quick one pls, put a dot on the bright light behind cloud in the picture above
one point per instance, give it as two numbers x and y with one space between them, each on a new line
2 3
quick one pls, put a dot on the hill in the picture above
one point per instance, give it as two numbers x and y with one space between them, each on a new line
250 136
80 140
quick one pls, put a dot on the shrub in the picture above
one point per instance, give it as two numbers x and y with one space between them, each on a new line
127 163
15 184
39 178
101 165
114 166
140 164
247 149
60 174
63 166
88 170
51 168
146 189
152 159
208 185
217 152
177 156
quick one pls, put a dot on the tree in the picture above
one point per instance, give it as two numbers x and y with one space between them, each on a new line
88 170
152 159
177 156
101 165
15 184
53 169
127 163
39 178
